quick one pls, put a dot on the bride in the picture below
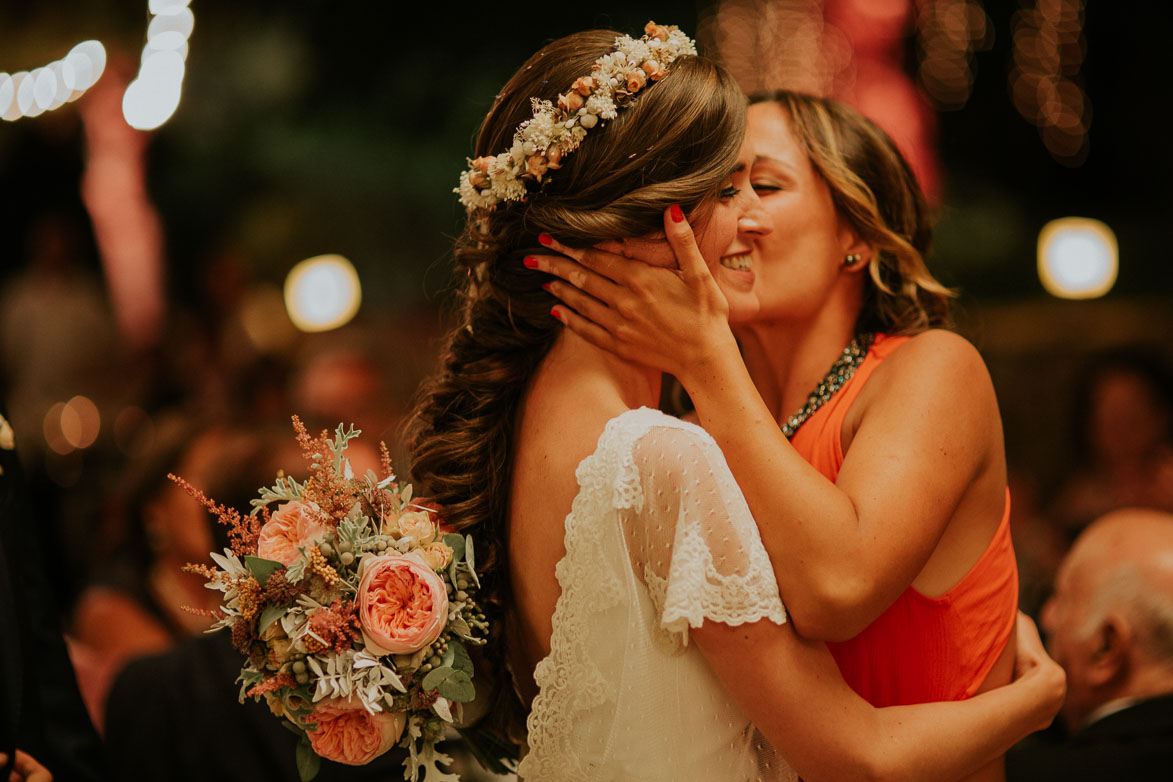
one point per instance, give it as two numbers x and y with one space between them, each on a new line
636 608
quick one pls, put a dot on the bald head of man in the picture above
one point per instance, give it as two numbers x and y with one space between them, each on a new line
1109 622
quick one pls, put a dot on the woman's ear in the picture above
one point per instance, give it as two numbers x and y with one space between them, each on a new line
857 254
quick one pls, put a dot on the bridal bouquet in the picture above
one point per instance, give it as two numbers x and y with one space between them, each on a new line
352 609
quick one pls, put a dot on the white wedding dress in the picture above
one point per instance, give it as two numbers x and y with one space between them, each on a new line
659 539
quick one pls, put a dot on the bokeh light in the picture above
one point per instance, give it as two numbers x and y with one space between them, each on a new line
71 426
154 95
322 293
80 422
32 93
1045 83
1078 258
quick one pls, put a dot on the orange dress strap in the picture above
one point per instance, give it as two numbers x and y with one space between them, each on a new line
820 438
921 648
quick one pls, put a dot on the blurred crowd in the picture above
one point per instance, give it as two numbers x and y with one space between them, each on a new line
205 402
101 410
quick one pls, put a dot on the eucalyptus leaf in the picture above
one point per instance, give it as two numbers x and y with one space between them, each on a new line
460 627
471 560
261 568
456 543
460 660
308 761
457 687
434 678
270 615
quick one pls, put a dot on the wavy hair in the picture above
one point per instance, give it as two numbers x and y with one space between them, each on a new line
674 143
874 188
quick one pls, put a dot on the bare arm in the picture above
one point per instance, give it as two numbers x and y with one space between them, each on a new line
792 691
842 552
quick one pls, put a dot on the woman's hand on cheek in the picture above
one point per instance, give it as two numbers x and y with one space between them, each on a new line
663 317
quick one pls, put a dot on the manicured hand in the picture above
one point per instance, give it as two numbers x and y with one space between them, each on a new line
663 316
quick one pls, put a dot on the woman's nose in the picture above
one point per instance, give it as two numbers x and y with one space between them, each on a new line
754 218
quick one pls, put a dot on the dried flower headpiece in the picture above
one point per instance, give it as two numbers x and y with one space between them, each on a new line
541 143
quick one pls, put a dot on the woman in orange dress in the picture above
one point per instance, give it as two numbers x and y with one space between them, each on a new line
880 485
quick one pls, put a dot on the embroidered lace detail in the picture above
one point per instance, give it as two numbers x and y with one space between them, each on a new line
655 499
702 592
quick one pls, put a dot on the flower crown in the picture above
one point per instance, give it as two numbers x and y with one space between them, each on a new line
541 143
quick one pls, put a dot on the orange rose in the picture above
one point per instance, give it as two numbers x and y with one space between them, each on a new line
653 69
402 604
636 79
658 31
293 525
348 733
536 165
571 102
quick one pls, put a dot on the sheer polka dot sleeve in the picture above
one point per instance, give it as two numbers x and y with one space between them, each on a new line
691 537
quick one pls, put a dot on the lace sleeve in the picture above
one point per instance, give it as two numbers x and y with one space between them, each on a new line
690 534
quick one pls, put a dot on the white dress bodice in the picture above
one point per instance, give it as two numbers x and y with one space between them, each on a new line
658 540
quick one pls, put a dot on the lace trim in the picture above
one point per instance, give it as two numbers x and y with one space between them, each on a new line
733 600
569 681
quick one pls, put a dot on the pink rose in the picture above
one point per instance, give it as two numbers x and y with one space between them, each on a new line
402 604
291 526
348 733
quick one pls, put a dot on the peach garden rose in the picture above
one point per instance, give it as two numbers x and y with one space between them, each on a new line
402 604
418 524
348 733
292 525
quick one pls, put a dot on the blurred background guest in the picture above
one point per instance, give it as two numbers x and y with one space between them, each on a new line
1109 624
41 711
149 295
136 599
1124 421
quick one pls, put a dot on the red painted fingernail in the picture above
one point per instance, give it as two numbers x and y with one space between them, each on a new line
530 262
555 314
677 213
546 286
546 239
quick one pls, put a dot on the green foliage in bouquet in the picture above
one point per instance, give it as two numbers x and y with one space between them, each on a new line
354 612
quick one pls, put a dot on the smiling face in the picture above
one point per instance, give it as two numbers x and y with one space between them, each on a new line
801 262
726 236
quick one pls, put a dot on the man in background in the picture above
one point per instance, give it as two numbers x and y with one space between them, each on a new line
1109 624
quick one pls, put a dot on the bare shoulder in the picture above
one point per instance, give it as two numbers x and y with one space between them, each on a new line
937 376
940 360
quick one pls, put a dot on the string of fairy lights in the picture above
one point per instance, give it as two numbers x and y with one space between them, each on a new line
154 95
807 51
32 93
150 99
1045 83
949 32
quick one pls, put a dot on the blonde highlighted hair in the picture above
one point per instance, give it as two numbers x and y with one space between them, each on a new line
873 187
